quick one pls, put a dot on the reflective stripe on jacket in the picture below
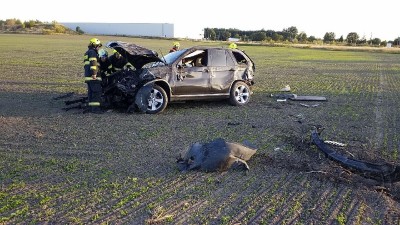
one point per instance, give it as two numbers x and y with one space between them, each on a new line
90 62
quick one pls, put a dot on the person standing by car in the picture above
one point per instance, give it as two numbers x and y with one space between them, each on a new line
105 64
175 47
105 67
118 62
91 70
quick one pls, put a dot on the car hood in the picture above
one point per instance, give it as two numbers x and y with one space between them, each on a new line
137 55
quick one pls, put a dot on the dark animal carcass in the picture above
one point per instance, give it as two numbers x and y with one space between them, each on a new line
217 155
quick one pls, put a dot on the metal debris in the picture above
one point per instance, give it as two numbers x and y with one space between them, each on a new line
306 105
384 172
335 143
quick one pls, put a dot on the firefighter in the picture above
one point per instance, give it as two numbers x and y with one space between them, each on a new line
105 63
175 47
232 46
91 67
118 62
105 67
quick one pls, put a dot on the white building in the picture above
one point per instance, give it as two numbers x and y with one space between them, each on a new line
128 29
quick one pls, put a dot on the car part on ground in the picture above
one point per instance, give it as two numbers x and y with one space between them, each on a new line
385 172
295 97
217 155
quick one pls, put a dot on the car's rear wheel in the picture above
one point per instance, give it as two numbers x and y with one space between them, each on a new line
240 94
157 100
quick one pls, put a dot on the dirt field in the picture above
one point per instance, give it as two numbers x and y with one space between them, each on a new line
65 167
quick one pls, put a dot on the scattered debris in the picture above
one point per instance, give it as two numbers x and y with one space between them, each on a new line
306 105
286 88
217 155
307 98
282 96
335 143
295 97
385 172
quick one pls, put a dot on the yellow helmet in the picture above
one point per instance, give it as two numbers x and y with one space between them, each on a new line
176 44
95 42
232 46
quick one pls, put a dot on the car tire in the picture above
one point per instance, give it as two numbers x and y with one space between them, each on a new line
240 94
157 100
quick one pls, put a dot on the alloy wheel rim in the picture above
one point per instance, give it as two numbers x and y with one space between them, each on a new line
155 100
242 94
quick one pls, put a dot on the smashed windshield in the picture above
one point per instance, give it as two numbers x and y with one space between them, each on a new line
173 56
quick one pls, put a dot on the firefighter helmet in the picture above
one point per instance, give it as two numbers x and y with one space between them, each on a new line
103 53
176 44
95 42
232 46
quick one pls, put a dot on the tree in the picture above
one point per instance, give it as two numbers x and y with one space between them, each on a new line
376 41
213 35
259 36
209 34
10 22
362 40
291 33
277 37
340 39
225 35
79 30
29 24
329 37
352 38
311 38
270 33
396 41
302 37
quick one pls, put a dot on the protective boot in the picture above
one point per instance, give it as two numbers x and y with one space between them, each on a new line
94 98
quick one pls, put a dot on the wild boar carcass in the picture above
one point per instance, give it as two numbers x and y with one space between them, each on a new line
217 155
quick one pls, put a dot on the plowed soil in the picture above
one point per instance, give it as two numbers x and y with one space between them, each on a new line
66 167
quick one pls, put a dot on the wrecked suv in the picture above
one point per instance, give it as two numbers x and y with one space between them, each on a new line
196 73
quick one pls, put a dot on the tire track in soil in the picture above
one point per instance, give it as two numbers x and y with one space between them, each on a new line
379 109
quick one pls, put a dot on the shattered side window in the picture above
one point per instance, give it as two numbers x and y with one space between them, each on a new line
172 57
239 57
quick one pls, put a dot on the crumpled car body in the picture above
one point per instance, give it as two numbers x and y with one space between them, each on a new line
196 73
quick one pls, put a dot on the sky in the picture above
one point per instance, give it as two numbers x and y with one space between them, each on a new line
369 19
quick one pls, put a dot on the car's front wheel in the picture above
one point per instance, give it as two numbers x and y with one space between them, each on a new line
157 100
240 94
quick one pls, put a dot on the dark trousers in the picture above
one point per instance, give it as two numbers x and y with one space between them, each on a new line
94 95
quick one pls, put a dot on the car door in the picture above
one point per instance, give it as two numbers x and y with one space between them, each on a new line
191 79
222 70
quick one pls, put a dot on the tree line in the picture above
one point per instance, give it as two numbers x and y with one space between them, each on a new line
34 26
291 34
